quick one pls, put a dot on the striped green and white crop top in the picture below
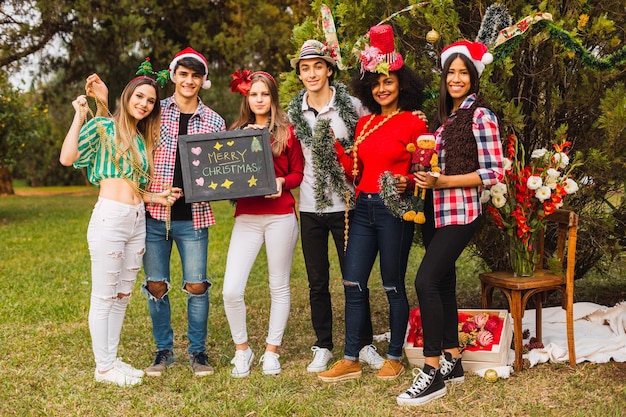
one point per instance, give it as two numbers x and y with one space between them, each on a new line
97 153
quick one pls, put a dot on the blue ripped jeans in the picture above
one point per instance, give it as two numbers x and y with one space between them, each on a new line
192 246
374 230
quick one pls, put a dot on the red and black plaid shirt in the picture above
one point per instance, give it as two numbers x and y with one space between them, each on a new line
203 121
461 205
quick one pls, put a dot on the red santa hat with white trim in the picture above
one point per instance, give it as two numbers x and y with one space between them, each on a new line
476 51
191 53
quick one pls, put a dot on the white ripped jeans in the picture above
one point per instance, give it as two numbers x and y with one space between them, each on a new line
280 234
116 237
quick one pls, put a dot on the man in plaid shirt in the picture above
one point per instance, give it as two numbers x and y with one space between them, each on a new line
188 223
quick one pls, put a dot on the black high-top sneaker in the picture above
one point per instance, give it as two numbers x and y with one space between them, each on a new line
451 368
427 385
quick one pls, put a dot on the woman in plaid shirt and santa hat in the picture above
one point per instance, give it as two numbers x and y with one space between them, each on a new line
470 157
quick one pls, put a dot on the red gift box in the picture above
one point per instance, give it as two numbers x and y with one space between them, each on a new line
485 336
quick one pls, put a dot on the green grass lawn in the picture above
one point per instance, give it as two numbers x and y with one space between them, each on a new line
46 363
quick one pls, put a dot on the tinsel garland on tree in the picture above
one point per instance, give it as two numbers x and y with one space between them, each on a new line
329 174
397 203
569 42
496 18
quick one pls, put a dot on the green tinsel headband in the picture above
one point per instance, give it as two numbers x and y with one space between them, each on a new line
145 69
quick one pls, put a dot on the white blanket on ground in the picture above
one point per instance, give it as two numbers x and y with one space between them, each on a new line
599 334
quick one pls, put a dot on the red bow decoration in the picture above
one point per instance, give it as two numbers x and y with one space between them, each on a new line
331 49
241 81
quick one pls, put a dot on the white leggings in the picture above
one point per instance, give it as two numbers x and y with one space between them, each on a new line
280 234
116 237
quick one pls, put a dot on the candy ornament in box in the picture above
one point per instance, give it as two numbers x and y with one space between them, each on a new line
484 337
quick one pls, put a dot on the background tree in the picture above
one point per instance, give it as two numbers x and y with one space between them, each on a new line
543 86
73 38
23 119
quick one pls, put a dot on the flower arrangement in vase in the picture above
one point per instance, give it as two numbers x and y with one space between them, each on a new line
528 193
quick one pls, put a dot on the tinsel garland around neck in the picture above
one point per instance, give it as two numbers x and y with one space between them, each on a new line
329 174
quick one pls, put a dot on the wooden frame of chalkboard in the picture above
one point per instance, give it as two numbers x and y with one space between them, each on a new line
227 165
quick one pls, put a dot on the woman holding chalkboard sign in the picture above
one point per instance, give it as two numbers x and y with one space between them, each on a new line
270 219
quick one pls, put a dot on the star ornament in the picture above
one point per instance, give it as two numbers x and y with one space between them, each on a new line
252 182
226 184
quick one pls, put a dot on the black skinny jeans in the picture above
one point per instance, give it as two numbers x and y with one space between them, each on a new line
314 230
435 282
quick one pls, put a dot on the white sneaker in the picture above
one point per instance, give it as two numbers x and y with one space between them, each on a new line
370 356
321 358
242 361
128 369
116 376
271 365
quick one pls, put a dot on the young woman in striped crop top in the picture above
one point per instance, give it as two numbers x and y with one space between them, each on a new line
116 153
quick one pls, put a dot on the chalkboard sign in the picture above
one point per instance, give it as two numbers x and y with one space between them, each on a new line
227 165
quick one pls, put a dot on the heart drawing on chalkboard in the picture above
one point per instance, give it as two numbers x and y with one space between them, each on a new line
230 143
200 181
195 162
196 151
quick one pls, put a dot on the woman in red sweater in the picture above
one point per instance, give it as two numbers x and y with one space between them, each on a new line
270 219
391 91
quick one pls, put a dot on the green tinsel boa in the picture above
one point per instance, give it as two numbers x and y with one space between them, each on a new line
496 18
569 42
329 174
398 204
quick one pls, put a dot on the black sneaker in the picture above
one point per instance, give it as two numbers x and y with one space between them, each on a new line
162 360
427 385
200 364
451 369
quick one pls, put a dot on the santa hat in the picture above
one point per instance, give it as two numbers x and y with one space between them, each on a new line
476 51
191 53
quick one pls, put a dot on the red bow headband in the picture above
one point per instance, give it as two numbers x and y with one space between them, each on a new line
242 80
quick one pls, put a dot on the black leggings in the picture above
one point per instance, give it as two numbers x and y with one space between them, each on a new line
435 282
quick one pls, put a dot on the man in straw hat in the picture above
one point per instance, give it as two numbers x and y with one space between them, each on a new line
322 113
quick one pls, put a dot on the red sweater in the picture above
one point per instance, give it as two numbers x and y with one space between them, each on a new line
383 150
289 165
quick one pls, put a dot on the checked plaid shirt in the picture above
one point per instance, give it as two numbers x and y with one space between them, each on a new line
454 206
204 120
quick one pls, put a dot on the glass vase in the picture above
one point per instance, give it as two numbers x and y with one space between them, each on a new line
523 257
